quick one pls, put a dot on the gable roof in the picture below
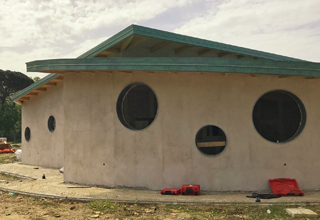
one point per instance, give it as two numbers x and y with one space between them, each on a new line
137 48
135 30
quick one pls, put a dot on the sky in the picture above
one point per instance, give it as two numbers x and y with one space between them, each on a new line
52 29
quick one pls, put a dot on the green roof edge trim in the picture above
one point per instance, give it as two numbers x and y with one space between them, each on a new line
34 86
164 35
108 43
249 66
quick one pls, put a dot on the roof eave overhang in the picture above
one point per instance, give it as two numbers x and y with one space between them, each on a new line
35 88
249 66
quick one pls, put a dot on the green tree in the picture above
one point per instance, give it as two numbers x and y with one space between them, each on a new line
10 119
11 82
10 113
35 79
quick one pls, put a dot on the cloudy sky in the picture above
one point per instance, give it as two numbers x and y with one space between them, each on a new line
47 29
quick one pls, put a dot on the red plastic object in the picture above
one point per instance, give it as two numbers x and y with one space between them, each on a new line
7 150
170 191
285 187
190 190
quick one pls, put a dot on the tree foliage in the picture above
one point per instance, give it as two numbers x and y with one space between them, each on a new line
10 113
10 82
35 79
10 119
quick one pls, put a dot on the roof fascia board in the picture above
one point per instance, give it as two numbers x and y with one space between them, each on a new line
164 35
34 86
288 68
127 32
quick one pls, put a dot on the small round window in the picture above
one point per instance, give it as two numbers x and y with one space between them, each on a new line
279 116
27 134
211 140
137 106
51 124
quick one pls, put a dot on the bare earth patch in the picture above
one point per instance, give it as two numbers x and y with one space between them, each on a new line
24 207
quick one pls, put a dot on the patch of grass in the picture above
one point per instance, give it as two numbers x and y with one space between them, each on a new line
8 158
103 206
46 203
8 177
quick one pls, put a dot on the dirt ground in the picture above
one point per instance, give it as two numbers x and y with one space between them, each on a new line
24 207
16 206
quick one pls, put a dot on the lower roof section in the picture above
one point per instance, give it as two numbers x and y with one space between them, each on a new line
38 86
246 66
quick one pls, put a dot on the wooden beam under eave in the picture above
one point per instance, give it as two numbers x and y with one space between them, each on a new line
24 98
58 79
137 42
182 49
159 46
41 89
50 84
222 54
126 43
113 50
32 94
203 51
103 54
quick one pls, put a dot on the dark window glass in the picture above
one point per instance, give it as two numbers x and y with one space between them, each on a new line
27 134
211 140
51 124
137 106
279 116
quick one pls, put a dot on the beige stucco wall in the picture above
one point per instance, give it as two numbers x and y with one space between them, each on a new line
99 150
44 148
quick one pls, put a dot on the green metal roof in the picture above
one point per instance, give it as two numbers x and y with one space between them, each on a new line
268 64
164 35
34 86
249 66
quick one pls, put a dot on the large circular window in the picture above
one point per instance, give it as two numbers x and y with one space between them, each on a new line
27 134
51 124
279 116
137 106
211 140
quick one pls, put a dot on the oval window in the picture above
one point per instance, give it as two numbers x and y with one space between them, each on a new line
27 134
211 140
279 116
51 124
137 106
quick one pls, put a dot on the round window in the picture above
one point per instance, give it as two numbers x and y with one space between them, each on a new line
279 116
27 134
211 140
137 106
51 124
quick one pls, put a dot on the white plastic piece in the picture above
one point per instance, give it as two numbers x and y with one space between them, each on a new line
18 154
61 170
268 211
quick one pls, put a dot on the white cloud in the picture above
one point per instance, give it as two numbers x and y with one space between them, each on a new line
37 29
40 29
278 26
